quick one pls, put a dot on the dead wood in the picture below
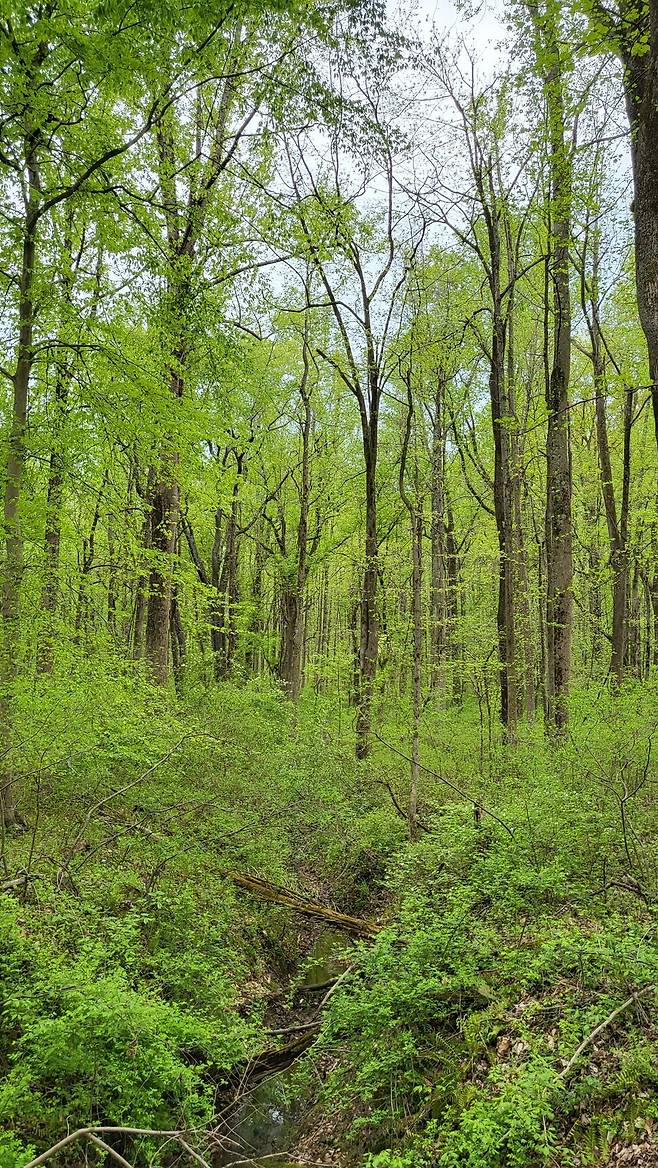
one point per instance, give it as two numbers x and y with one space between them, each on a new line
310 908
272 1062
634 998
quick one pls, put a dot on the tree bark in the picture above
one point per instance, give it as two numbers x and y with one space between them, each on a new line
559 561
415 512
293 598
14 475
53 529
184 223
641 91
369 626
227 634
438 586
501 419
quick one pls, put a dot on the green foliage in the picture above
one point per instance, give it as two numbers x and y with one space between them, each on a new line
248 250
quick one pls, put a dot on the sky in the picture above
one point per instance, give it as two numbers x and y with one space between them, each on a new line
483 29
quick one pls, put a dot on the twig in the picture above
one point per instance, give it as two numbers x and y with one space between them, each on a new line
96 807
603 1025
300 1160
448 783
110 1151
190 1151
332 990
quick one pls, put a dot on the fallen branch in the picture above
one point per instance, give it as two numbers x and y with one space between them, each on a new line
271 1062
310 908
18 881
300 1028
332 989
319 988
643 993
93 1134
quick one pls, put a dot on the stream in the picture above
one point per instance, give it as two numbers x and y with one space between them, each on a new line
266 1123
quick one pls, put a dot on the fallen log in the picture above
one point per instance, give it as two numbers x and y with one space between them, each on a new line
272 1062
310 908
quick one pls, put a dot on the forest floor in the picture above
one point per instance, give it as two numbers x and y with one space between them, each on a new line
477 1026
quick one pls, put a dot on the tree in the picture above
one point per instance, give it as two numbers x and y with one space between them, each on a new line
376 259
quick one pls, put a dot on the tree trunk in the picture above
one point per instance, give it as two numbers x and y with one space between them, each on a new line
165 514
164 520
228 588
559 562
452 574
369 628
292 601
14 474
111 579
525 607
641 88
178 642
438 587
520 584
83 608
56 476
415 512
500 419
141 598
617 522
53 530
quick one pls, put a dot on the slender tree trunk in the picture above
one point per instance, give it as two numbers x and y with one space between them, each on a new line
617 521
53 530
216 613
355 672
111 579
165 513
255 656
292 606
634 647
417 685
520 583
438 586
14 475
228 587
141 598
324 632
184 221
83 616
452 575
501 414
55 490
369 626
618 551
559 562
415 512
503 508
653 585
525 606
641 88
178 642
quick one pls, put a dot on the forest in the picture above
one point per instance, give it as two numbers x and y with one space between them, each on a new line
329 583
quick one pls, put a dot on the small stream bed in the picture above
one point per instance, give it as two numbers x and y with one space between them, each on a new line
266 1123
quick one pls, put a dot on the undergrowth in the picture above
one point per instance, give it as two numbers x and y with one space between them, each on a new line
135 978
